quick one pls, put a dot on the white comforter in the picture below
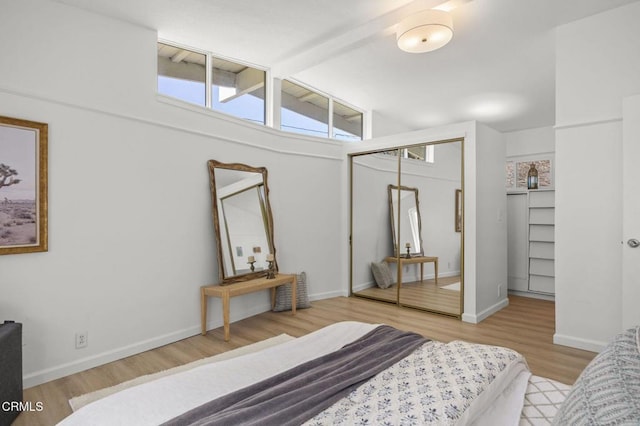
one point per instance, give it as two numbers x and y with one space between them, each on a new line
155 402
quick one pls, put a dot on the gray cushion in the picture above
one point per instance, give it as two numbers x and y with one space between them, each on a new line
283 295
608 390
382 274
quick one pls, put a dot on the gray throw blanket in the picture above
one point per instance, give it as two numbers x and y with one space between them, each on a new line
298 394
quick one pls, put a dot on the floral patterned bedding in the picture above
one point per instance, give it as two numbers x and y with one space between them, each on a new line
437 384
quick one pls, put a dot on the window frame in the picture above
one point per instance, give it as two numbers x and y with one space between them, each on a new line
363 116
332 99
272 102
193 50
268 91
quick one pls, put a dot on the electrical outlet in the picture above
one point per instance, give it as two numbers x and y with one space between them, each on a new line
499 291
82 339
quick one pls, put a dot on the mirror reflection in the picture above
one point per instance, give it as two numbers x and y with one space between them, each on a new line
242 220
414 189
404 210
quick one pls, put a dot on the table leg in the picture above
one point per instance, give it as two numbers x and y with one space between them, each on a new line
400 267
421 271
225 316
203 311
273 298
435 267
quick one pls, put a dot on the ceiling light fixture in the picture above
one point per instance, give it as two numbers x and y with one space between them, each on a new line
424 31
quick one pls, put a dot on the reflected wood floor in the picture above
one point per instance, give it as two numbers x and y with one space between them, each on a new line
526 325
421 294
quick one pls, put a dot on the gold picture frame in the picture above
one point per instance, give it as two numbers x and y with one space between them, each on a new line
23 186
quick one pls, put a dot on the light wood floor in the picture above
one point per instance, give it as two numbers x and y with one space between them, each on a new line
526 325
421 294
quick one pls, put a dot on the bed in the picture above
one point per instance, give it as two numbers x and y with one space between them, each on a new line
347 373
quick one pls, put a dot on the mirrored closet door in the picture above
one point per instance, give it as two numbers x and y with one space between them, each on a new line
406 226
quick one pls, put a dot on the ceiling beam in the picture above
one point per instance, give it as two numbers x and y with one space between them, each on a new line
308 96
179 56
353 117
246 81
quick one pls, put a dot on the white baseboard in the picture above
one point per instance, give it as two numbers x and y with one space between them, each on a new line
578 343
328 295
56 372
532 295
62 370
474 319
363 286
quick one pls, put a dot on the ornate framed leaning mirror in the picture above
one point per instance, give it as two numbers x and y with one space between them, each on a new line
242 220
404 208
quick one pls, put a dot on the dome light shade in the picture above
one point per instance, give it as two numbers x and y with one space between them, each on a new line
424 31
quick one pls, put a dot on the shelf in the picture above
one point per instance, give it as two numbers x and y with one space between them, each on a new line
541 233
543 267
541 216
542 199
534 227
541 249
542 284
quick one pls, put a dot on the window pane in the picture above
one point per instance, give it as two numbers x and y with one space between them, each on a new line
304 111
181 74
424 153
347 123
417 152
238 90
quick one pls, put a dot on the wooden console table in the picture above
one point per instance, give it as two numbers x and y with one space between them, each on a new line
226 292
414 259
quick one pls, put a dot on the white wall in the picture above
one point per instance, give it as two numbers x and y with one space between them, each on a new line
130 233
595 70
491 217
384 126
540 140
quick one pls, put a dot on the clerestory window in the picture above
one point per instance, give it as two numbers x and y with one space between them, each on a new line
212 82
200 78
307 111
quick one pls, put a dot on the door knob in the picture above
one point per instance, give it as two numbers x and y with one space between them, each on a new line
633 243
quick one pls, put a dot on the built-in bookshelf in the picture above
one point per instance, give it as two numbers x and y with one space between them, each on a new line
531 238
542 241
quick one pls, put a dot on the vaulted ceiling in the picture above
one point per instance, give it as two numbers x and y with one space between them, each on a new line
498 69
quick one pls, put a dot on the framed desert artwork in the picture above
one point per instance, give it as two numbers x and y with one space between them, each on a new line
23 186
